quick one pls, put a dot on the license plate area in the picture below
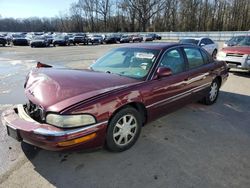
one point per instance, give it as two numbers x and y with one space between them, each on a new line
14 133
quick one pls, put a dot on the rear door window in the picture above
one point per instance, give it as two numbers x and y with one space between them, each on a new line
194 57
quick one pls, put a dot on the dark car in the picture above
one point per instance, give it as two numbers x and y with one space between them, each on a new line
79 38
111 39
125 39
3 40
61 40
20 40
234 40
148 38
108 104
39 41
155 36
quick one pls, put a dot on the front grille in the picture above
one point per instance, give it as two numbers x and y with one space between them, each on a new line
230 62
234 55
35 112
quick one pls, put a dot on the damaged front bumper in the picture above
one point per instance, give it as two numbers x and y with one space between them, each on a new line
22 127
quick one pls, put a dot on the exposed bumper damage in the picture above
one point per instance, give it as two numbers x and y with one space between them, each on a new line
23 128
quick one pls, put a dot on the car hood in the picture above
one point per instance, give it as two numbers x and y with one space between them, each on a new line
237 49
55 89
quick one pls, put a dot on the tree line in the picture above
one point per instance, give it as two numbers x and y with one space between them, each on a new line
140 16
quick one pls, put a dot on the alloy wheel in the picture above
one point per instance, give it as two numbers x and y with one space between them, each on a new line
125 130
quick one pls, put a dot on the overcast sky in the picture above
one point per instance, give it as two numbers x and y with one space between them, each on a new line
33 8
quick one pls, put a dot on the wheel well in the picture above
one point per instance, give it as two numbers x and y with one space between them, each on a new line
136 105
219 79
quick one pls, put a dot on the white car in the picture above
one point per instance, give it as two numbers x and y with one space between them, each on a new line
210 46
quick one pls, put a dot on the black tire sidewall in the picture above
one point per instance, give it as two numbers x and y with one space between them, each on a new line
207 98
110 143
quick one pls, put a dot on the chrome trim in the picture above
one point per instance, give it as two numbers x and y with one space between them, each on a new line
46 132
179 96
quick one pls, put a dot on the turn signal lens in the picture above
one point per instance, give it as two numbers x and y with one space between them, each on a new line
77 140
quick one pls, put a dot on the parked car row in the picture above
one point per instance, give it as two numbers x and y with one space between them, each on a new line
64 39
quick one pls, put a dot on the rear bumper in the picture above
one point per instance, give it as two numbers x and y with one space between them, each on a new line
49 137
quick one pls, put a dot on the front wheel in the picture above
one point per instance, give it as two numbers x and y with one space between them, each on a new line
213 93
123 130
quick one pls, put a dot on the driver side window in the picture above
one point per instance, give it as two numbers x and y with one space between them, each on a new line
173 60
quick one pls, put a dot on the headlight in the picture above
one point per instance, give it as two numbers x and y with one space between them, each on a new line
68 121
221 54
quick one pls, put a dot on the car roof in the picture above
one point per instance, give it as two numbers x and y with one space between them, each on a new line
155 45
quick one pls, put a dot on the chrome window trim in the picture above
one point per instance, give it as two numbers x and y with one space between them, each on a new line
178 48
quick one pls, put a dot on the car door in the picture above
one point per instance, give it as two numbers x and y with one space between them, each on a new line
200 71
167 93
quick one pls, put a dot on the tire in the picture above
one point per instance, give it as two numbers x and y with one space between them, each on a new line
123 135
213 93
214 54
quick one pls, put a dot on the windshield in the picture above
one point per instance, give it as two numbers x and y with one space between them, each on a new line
237 39
130 62
18 36
189 41
245 41
60 37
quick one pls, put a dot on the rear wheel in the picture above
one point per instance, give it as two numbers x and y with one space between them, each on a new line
213 93
124 130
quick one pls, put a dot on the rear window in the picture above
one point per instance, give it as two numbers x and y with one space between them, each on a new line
189 41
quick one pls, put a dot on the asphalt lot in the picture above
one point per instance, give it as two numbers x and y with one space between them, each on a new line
196 146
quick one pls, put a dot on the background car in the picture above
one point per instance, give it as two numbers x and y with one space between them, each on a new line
95 39
234 40
79 38
137 38
237 56
147 38
125 39
110 39
209 45
39 41
61 40
65 110
20 40
3 40
49 38
155 36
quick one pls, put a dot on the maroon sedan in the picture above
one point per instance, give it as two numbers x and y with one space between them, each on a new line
108 104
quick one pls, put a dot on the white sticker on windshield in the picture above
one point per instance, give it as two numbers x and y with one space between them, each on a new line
144 55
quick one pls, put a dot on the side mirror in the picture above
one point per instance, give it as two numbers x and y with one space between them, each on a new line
163 72
202 44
